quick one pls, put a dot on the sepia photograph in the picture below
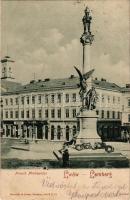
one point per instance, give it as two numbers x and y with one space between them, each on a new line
65 84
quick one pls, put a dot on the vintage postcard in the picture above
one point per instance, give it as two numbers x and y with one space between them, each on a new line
65 100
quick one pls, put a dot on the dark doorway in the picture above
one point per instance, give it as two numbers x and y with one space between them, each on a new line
11 131
52 132
74 130
39 132
27 132
58 132
67 133
46 132
7 132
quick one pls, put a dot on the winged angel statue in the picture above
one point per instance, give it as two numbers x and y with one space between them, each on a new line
89 98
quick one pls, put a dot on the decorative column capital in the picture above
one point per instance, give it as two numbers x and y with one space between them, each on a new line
86 38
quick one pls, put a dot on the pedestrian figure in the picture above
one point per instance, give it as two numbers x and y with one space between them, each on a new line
127 136
65 158
123 135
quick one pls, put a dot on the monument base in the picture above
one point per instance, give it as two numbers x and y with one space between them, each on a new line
88 131
93 159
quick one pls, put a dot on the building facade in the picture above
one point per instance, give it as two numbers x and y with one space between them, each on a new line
48 109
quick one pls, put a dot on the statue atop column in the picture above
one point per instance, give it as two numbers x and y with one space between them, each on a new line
87 37
87 21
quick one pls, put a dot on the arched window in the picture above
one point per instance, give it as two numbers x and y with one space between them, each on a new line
108 114
113 114
74 130
52 132
102 114
67 133
119 115
97 112
46 132
58 132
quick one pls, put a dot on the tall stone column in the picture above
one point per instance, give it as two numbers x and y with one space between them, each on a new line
14 131
43 132
86 57
4 128
62 133
20 129
30 132
9 129
35 128
49 130
86 41
55 132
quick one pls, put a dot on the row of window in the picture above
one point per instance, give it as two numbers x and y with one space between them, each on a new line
109 114
110 99
54 113
57 113
27 100
55 98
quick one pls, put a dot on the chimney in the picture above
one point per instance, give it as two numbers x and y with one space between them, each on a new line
127 85
102 79
47 79
71 76
32 81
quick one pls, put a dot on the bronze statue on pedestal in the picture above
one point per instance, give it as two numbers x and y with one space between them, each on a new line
89 98
87 21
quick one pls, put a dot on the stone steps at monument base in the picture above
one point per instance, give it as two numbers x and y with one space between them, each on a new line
91 156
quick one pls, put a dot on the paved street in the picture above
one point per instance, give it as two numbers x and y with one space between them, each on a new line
43 150
39 150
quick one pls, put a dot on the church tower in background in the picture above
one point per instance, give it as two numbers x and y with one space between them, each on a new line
6 63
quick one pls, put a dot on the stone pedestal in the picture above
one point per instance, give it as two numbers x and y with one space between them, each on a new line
88 127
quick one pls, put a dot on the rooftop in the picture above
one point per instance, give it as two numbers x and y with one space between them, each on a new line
55 84
8 86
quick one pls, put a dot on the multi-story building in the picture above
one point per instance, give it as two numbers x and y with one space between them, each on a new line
48 109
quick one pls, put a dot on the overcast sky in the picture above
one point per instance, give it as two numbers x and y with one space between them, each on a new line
43 37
